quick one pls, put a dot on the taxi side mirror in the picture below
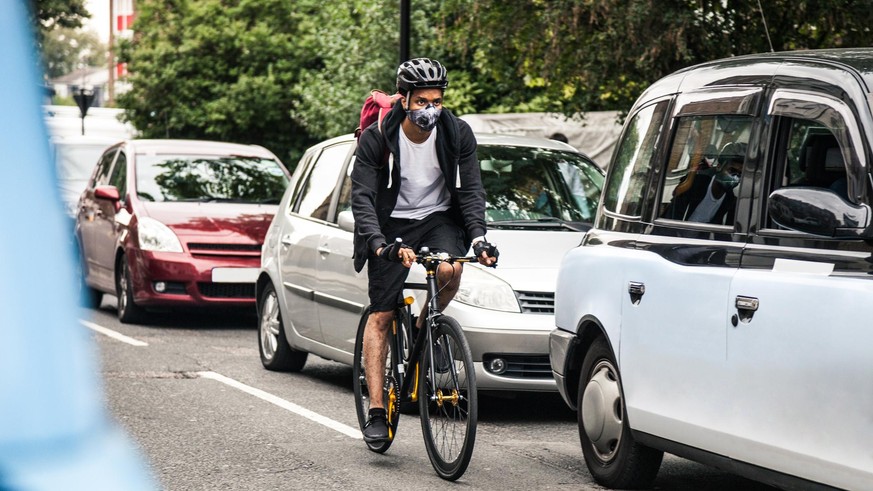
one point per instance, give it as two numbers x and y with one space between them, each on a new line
820 212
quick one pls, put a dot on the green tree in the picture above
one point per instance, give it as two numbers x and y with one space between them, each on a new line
588 55
358 45
65 49
286 73
219 70
49 14
357 50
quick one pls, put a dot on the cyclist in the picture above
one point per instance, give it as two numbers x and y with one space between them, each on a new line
416 177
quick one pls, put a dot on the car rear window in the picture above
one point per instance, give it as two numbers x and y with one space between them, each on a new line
209 179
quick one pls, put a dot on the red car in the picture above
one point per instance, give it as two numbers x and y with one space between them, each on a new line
176 223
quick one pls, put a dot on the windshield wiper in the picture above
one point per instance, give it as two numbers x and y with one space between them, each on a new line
210 199
544 222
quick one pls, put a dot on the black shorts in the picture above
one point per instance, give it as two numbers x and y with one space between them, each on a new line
437 231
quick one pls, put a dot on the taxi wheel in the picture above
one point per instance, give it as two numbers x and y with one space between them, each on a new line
613 457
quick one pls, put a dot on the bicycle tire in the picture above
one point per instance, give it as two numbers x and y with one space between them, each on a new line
362 397
449 426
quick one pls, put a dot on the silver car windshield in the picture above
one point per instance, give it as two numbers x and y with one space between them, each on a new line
525 185
209 178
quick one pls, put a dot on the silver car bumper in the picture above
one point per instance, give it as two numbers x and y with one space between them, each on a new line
523 346
559 348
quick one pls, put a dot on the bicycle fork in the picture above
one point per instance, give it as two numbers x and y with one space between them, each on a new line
425 335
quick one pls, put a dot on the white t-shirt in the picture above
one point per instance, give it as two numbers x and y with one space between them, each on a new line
707 207
422 184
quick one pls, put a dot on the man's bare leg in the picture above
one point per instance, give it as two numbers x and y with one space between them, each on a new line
375 351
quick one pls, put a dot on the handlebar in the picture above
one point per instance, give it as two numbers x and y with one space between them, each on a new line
424 255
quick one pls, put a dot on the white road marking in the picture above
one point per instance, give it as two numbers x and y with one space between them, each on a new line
113 334
290 406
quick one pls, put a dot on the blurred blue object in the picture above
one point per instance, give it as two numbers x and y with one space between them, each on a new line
54 430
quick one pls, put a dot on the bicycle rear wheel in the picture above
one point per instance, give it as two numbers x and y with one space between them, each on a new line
390 388
449 405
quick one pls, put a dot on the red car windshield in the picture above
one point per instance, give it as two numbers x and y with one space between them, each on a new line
209 179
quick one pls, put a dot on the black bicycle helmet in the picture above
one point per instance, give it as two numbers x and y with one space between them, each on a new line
421 73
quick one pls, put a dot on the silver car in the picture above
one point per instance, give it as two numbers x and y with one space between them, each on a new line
541 196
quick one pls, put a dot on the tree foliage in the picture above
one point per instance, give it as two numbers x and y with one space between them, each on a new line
590 55
65 49
50 14
218 70
287 73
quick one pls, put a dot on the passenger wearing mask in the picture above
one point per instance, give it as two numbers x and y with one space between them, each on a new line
706 197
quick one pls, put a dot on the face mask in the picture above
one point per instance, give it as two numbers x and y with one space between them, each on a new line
727 181
426 118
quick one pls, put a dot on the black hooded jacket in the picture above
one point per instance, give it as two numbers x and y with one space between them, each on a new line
376 179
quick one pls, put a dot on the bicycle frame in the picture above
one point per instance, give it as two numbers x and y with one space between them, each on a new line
430 263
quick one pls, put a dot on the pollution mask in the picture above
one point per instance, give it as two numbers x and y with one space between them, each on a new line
425 118
727 181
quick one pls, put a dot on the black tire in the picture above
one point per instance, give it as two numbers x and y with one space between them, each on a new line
362 391
613 457
128 311
276 353
449 425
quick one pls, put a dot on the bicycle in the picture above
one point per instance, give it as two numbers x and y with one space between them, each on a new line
432 367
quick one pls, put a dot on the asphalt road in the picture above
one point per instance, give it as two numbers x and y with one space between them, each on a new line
191 391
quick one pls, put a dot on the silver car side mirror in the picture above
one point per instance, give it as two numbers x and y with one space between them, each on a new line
346 221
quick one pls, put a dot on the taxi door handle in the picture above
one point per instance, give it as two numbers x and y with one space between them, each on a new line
747 303
746 308
636 291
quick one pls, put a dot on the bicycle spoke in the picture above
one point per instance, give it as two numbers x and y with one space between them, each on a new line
449 416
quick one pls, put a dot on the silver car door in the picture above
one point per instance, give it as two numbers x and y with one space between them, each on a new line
342 294
300 242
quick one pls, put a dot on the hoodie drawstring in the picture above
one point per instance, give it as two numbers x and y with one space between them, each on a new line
390 168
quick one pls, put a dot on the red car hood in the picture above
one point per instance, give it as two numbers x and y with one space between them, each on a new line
224 222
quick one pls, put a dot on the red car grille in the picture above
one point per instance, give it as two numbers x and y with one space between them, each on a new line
227 290
238 250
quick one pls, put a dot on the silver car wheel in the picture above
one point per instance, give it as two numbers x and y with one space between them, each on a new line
602 411
270 326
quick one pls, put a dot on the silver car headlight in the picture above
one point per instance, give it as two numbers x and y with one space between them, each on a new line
484 290
155 236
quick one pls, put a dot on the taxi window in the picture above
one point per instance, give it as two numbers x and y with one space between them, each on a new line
704 167
629 171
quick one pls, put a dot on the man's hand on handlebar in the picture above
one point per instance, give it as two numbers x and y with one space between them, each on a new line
486 253
397 252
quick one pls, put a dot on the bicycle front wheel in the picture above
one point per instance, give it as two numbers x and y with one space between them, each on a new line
448 404
390 394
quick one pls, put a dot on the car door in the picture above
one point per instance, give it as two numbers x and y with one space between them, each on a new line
300 241
674 312
106 225
799 348
342 293
91 225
